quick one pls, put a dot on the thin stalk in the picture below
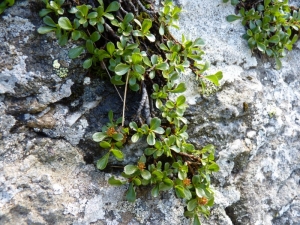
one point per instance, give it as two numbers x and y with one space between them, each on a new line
125 95
103 65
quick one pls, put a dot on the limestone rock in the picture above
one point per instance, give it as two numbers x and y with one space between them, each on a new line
49 109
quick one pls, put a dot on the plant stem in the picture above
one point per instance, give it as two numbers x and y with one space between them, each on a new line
103 65
125 95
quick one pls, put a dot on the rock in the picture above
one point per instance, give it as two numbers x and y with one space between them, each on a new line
49 109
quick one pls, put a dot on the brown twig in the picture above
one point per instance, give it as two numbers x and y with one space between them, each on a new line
151 13
111 31
189 156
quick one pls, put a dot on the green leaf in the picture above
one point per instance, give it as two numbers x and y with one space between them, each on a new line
274 39
180 100
122 68
146 25
155 191
105 144
267 2
65 23
102 162
99 136
95 36
110 116
130 169
137 181
179 89
196 220
159 130
130 194
192 204
213 167
44 12
143 159
75 52
261 47
118 137
100 27
44 30
151 138
278 63
154 123
90 46
149 151
92 15
179 191
295 37
232 18
114 182
114 6
108 16
118 154
135 137
136 58
260 7
48 21
162 30
162 66
102 54
128 18
234 2
164 187
181 174
137 33
63 39
198 42
146 174
139 69
200 192
116 81
215 78
150 37
249 32
84 9
76 34
110 47
133 125
87 63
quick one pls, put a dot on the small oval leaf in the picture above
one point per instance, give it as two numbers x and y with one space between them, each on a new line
102 162
65 23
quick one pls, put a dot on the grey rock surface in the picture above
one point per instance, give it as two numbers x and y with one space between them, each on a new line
48 114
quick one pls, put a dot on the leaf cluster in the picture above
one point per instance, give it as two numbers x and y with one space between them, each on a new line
112 138
272 27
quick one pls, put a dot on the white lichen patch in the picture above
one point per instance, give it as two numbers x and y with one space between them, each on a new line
59 70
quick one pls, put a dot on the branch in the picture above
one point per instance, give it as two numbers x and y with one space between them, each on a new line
147 106
111 31
197 159
151 13
125 95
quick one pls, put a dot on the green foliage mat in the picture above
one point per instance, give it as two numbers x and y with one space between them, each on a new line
131 41
272 26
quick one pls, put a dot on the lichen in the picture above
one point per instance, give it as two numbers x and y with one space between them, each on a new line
60 71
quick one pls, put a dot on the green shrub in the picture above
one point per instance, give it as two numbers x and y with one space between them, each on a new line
272 27
141 52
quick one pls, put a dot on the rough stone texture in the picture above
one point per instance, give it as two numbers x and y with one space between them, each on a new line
47 174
